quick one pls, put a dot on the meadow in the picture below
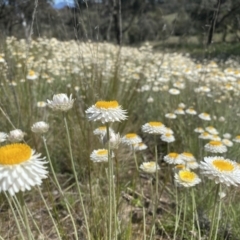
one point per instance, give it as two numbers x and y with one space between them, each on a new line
105 142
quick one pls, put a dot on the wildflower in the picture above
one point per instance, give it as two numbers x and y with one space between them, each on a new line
140 146
149 167
21 168
215 147
205 135
237 139
181 105
16 135
171 115
40 127
150 99
115 139
41 104
102 130
173 158
187 157
131 138
199 130
221 170
227 142
32 75
106 111
205 116
154 128
191 111
100 155
167 137
212 130
179 111
227 135
3 137
215 138
187 178
61 102
174 91
192 165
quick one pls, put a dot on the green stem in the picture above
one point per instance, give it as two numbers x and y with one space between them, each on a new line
184 213
219 214
25 217
214 213
76 178
195 214
59 187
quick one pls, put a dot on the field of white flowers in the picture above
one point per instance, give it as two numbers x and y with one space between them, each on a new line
100 142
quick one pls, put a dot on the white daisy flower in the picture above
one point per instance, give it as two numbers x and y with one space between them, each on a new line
154 128
61 102
149 167
3 137
106 111
186 178
40 127
205 116
140 146
187 157
221 170
212 130
131 138
16 135
167 137
227 142
21 168
174 91
171 115
215 147
100 155
32 75
173 158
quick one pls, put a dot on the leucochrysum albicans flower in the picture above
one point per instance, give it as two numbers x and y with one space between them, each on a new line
100 155
61 102
3 137
149 167
157 128
131 138
205 116
140 146
186 178
167 137
173 158
40 127
106 111
221 170
21 168
215 147
16 135
32 75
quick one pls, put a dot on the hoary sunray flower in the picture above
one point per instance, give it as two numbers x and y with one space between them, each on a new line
212 130
221 170
215 138
21 168
182 105
237 139
205 135
171 115
192 165
167 137
61 102
187 178
187 157
102 130
3 137
32 75
40 127
100 155
174 91
106 111
149 167
41 104
140 146
227 135
191 111
115 139
131 138
156 128
199 130
227 142
16 135
173 158
215 147
205 116
179 111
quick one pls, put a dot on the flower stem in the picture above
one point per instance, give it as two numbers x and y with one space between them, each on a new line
76 178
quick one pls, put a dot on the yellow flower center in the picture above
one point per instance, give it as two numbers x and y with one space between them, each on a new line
238 137
187 176
102 128
187 154
173 155
223 165
180 166
205 134
14 154
102 152
215 143
168 134
107 104
31 73
205 114
155 124
131 135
